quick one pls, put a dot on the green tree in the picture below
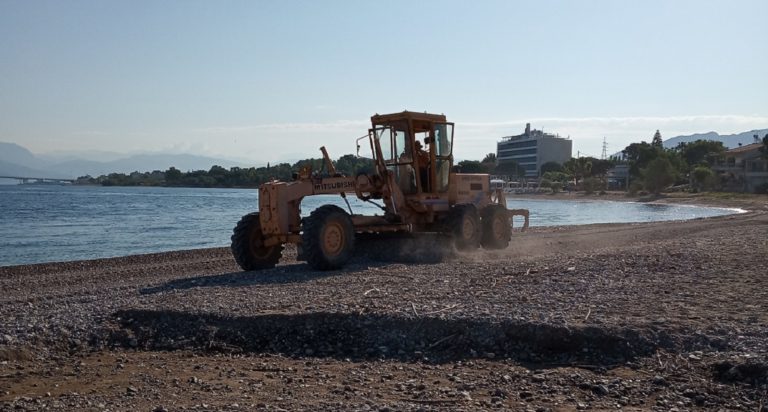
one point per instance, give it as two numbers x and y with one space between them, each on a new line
173 176
489 163
217 170
470 166
351 165
600 167
560 177
678 164
579 168
703 178
700 152
551 167
764 149
658 175
315 164
592 185
220 176
489 158
657 142
347 165
638 156
86 180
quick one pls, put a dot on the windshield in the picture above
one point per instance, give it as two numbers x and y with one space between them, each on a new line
443 147
394 145
443 139
398 156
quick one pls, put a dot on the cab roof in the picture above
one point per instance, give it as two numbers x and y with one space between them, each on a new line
421 121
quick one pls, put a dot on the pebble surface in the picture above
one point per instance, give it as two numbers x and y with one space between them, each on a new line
658 316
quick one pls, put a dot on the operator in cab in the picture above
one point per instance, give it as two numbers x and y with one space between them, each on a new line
423 157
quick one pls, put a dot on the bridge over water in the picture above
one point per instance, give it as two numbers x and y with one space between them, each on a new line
28 179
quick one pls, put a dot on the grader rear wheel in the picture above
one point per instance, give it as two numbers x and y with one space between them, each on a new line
328 238
465 227
248 245
497 230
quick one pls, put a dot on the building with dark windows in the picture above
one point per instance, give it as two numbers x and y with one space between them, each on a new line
532 149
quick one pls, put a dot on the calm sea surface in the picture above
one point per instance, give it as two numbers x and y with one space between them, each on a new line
60 223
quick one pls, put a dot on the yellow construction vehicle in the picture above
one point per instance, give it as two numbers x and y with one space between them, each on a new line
413 184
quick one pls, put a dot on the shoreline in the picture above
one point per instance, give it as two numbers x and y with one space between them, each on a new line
739 204
714 199
748 202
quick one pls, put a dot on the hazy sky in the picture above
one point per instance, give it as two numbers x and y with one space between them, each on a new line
275 80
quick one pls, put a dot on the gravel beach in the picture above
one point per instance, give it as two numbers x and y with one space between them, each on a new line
654 316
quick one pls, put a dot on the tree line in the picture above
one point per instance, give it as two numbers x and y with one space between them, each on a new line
651 168
654 168
218 176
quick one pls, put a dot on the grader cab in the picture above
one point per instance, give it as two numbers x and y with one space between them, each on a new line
412 183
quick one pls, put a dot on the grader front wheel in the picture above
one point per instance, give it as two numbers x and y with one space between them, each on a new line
248 245
328 238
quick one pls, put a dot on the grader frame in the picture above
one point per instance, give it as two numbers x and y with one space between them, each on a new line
418 189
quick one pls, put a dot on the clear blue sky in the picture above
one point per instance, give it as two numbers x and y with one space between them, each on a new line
274 80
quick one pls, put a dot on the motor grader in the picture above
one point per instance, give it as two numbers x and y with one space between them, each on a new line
416 189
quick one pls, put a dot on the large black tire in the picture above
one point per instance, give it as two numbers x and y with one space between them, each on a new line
248 245
464 226
328 238
497 230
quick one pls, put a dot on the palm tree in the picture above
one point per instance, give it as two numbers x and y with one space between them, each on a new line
579 168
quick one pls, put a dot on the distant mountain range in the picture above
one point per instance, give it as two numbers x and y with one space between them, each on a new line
730 141
16 160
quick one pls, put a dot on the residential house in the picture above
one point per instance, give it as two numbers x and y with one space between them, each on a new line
742 169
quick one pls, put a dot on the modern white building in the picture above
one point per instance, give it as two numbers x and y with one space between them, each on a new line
532 149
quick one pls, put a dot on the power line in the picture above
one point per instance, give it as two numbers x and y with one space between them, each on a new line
605 149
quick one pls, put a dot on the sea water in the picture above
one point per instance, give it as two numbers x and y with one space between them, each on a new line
45 223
